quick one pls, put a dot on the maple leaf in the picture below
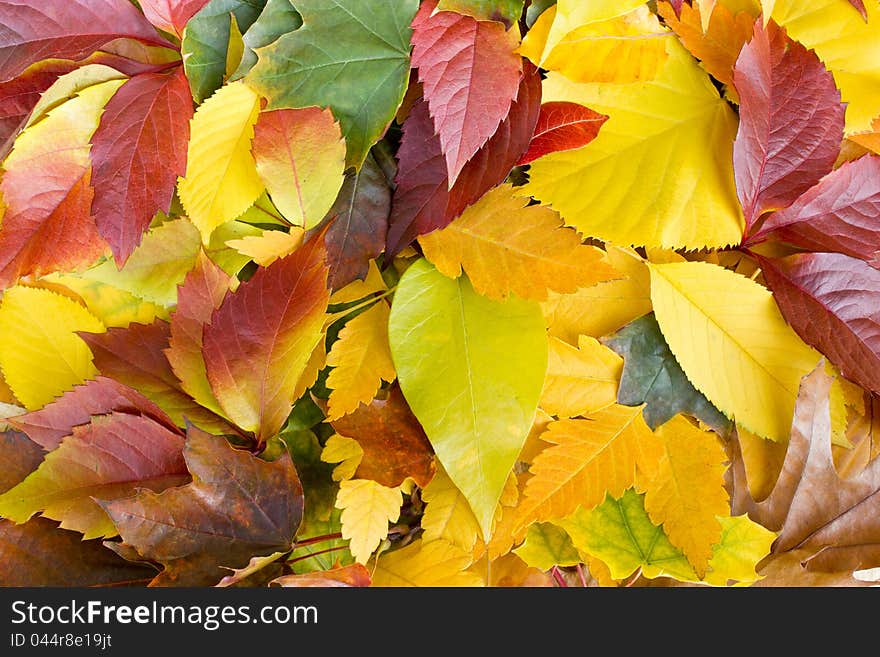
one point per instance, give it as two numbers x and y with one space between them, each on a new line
832 521
778 155
698 303
137 155
561 127
112 457
587 459
476 402
66 29
171 15
261 338
361 360
530 246
348 45
300 156
425 563
367 508
237 506
470 75
221 176
47 224
393 444
580 381
651 376
40 353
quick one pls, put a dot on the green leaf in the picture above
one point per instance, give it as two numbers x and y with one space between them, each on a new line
505 11
278 18
620 533
206 40
472 370
653 377
350 55
547 545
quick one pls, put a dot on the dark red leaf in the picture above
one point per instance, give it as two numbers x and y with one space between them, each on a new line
138 152
791 122
562 126
841 213
237 507
422 201
831 300
65 29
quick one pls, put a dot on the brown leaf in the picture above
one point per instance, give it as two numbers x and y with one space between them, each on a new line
19 456
355 575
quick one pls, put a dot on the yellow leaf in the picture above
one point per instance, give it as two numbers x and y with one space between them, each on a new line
361 360
547 545
448 515
580 381
40 354
313 368
763 461
426 563
660 172
847 45
113 306
742 545
358 289
507 246
235 50
69 86
589 458
534 445
511 571
733 344
706 9
221 176
367 508
602 309
345 451
270 246
687 490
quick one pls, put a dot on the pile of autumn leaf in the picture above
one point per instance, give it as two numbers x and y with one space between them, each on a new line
468 292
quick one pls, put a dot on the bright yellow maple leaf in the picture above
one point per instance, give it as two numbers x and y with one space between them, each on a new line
41 356
361 360
733 344
345 451
506 246
660 172
686 491
601 309
589 458
221 175
367 508
268 247
580 381
426 563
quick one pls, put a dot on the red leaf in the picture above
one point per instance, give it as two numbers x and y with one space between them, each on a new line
237 507
676 5
860 7
357 234
562 126
171 15
422 201
50 424
830 299
38 553
65 29
791 122
138 152
394 443
470 73
841 213
260 340
135 356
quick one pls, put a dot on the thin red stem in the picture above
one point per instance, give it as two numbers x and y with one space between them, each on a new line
318 553
317 539
558 577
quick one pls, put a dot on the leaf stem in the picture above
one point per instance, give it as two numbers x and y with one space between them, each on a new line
582 575
558 577
317 539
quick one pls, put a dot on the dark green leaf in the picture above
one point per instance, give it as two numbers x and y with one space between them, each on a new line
278 18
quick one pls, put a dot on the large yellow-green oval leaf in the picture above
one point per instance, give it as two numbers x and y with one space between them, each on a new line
732 342
472 370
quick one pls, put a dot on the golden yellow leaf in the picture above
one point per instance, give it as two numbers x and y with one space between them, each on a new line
602 309
589 458
358 289
511 571
660 172
41 356
367 508
270 246
743 544
345 451
534 445
506 246
361 360
448 515
580 381
426 563
686 492
733 344
313 368
221 176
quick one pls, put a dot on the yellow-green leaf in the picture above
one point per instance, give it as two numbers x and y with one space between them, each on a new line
447 513
547 545
743 544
